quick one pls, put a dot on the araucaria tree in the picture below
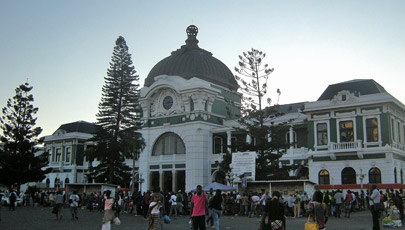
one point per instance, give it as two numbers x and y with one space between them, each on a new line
20 161
256 112
118 119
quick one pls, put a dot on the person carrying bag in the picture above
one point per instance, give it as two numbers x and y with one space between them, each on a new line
318 209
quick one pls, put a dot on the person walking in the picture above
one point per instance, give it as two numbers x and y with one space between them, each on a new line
108 211
198 202
146 203
297 205
216 209
338 200
173 205
210 220
290 205
59 205
375 198
245 205
119 203
154 213
74 203
348 203
318 210
12 198
274 213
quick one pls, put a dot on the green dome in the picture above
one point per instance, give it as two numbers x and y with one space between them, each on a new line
191 61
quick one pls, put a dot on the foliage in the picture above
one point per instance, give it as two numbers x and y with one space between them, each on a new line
118 119
20 163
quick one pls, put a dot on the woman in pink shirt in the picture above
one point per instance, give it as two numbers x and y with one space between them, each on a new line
108 211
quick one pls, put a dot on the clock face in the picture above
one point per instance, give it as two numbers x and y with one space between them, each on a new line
167 102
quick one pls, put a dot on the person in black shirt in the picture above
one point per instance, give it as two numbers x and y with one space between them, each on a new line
215 204
275 213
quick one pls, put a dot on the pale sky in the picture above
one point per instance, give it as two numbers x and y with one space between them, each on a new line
64 47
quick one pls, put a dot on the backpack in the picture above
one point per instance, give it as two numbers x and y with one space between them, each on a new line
179 198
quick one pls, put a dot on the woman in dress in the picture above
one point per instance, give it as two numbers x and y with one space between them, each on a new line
318 210
108 211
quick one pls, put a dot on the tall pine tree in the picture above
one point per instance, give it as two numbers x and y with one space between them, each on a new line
20 163
118 118
256 111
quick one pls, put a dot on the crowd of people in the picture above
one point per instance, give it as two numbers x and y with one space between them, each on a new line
205 209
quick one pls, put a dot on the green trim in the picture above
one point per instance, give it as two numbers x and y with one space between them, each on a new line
359 128
167 166
374 156
154 167
319 114
344 111
398 157
180 166
386 135
298 162
333 130
350 157
311 135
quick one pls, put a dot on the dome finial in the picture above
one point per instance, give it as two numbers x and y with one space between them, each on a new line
192 32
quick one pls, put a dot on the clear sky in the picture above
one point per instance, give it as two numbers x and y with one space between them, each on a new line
64 47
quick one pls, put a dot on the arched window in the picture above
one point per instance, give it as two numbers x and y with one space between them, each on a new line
348 176
323 177
47 182
287 138
374 176
66 181
168 144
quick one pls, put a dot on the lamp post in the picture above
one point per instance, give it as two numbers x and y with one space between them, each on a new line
57 184
140 181
361 176
230 178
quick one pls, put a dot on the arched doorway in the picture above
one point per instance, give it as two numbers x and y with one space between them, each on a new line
348 176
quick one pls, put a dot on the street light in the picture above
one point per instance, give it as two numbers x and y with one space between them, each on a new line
361 176
230 178
140 181
57 184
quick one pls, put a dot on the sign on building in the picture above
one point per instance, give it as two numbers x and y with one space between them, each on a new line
244 163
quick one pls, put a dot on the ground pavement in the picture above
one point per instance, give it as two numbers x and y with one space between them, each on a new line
40 218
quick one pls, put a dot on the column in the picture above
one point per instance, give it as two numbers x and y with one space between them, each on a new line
228 141
161 178
291 136
174 181
248 139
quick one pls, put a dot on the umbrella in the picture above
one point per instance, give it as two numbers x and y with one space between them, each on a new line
216 186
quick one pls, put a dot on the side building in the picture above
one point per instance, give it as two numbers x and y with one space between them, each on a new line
356 136
66 148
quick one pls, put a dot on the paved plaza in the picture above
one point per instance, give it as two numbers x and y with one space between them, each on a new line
40 218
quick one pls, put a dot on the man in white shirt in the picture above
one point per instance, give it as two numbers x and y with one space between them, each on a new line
173 206
255 201
74 203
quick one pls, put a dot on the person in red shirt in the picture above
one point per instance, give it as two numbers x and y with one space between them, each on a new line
146 203
348 203
198 202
